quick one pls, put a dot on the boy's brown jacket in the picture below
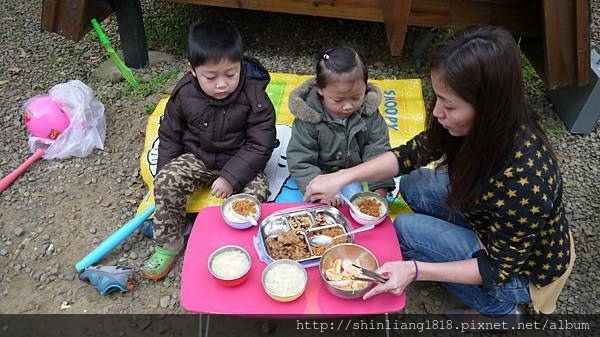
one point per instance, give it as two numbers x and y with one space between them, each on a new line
235 135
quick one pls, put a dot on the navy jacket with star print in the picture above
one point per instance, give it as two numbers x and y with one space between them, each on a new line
519 216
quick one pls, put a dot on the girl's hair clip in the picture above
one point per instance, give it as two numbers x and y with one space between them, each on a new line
326 56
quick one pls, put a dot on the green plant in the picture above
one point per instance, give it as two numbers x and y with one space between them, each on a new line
52 57
527 68
166 26
552 127
149 107
154 84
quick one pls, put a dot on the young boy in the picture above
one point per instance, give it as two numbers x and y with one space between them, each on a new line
218 130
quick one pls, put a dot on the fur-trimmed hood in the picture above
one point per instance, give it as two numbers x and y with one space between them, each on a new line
305 105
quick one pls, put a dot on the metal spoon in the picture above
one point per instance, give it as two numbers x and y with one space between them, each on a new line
355 208
275 227
323 240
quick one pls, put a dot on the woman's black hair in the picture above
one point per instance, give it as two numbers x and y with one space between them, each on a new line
213 41
482 65
340 60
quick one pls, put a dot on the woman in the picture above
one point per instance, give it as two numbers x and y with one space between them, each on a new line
488 222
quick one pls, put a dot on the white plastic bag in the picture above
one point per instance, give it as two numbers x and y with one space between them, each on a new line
87 128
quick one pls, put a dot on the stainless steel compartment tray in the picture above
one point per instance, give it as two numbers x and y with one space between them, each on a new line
319 215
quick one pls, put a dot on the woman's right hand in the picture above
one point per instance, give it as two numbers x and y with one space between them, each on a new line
400 273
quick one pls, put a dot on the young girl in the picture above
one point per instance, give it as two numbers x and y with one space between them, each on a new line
337 122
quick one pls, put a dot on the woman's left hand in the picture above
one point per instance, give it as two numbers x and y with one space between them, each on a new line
324 186
400 273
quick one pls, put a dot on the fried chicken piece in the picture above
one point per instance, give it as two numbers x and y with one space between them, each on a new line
369 206
244 207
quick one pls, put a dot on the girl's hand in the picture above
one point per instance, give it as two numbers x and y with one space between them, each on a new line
400 273
221 188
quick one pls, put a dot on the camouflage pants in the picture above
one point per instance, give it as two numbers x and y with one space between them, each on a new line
178 179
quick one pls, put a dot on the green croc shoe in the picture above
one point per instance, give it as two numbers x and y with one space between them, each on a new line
159 264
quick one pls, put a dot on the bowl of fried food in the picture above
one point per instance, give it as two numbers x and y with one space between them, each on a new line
341 264
241 211
371 204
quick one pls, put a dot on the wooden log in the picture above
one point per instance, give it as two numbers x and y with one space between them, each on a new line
395 18
71 18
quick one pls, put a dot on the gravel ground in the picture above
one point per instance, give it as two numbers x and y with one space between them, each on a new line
61 209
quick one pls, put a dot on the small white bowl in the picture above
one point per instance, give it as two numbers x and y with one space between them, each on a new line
229 215
234 280
360 218
287 297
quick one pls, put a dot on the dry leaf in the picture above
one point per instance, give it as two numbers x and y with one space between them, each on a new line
38 195
428 308
3 81
13 70
23 53
131 201
561 156
71 217
110 205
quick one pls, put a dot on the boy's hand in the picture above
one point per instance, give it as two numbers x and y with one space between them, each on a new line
335 202
381 191
221 188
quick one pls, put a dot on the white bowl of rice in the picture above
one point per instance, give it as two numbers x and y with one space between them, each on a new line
229 265
284 280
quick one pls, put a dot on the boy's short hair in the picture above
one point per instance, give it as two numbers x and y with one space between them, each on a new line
213 41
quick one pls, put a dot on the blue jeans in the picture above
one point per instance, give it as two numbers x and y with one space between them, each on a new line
435 234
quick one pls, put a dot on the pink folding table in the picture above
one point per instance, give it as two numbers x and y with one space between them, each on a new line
201 293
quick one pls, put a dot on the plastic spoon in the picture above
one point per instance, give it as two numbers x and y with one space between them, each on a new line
326 240
355 208
248 218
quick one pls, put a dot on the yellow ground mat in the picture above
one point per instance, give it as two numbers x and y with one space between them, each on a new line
402 107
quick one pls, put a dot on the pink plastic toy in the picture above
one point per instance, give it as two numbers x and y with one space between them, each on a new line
45 118
67 122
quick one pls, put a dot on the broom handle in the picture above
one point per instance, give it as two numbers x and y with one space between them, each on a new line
6 181
114 239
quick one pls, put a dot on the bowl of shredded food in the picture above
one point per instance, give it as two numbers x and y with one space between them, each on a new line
369 203
284 280
229 265
239 208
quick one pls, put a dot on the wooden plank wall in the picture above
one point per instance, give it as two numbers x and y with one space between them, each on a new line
566 42
558 29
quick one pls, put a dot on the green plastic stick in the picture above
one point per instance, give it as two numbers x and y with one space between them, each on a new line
127 73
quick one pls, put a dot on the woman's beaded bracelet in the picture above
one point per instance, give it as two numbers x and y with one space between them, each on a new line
416 271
